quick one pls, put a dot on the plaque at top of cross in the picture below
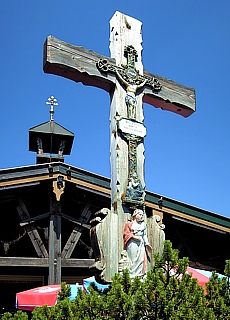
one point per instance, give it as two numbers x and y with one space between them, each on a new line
129 85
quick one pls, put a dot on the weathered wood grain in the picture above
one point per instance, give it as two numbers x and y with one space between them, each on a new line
156 237
79 64
75 63
172 97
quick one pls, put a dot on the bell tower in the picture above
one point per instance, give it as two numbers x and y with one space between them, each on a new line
50 140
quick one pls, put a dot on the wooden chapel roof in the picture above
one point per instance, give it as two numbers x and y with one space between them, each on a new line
193 230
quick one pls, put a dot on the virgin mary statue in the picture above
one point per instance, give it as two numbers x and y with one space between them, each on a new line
136 243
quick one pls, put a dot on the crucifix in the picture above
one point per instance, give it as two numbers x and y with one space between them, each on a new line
129 85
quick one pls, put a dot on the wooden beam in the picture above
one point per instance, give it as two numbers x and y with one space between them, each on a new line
84 184
77 263
188 217
45 215
32 220
32 231
172 97
80 65
43 262
76 233
78 222
23 262
75 63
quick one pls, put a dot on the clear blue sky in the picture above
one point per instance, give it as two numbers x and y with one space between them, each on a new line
187 159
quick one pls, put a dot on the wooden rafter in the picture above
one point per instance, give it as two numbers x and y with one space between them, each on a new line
76 233
32 231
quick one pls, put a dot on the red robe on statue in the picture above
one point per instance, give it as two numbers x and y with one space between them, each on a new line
136 249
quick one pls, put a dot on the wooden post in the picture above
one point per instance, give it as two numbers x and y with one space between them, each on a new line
55 242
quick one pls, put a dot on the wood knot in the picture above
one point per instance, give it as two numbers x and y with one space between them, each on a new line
128 25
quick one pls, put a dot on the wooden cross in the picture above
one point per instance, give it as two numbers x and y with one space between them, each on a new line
132 130
129 85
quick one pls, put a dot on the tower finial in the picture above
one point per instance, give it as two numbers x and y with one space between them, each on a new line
52 102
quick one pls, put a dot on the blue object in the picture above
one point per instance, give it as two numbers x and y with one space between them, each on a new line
74 290
88 281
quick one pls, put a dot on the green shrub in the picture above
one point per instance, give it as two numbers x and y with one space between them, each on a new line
167 292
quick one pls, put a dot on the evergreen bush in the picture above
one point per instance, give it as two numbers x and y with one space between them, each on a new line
167 292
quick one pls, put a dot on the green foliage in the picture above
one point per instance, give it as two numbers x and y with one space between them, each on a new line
19 315
217 297
7 316
167 293
42 313
227 268
65 291
89 306
171 292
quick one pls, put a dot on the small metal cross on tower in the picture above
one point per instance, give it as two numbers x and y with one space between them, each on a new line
52 102
50 139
